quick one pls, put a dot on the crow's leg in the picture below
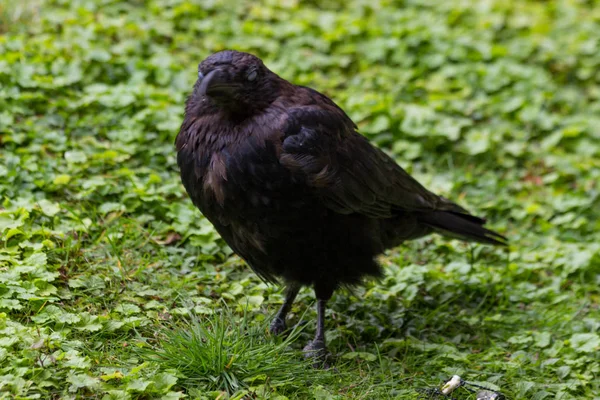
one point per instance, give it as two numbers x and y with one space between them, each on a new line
278 325
317 348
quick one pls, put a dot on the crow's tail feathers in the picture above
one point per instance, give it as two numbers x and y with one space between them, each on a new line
462 226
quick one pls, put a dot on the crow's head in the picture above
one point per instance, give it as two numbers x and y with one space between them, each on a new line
236 82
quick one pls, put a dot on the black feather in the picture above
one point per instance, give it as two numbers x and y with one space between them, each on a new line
462 226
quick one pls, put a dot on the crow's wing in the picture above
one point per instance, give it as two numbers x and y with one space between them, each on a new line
348 173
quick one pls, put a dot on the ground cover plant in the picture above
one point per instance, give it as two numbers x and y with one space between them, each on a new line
108 273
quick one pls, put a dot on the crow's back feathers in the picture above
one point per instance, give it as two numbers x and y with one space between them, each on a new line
346 171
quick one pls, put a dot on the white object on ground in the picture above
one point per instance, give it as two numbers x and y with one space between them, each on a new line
488 395
453 383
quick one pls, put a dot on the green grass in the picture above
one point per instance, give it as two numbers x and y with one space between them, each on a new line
220 353
105 265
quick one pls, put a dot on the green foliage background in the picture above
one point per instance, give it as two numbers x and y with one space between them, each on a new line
495 104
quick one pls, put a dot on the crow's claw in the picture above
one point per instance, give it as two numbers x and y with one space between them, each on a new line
278 326
317 350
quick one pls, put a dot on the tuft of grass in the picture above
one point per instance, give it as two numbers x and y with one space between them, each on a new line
221 352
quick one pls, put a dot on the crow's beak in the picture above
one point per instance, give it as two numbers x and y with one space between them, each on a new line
215 83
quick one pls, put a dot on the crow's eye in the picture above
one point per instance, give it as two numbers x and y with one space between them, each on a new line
200 75
252 75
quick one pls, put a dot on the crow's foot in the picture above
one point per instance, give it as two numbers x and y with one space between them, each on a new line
317 350
278 326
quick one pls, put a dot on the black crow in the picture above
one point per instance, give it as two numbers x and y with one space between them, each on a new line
282 173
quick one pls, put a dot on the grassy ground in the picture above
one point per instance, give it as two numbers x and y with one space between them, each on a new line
112 285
